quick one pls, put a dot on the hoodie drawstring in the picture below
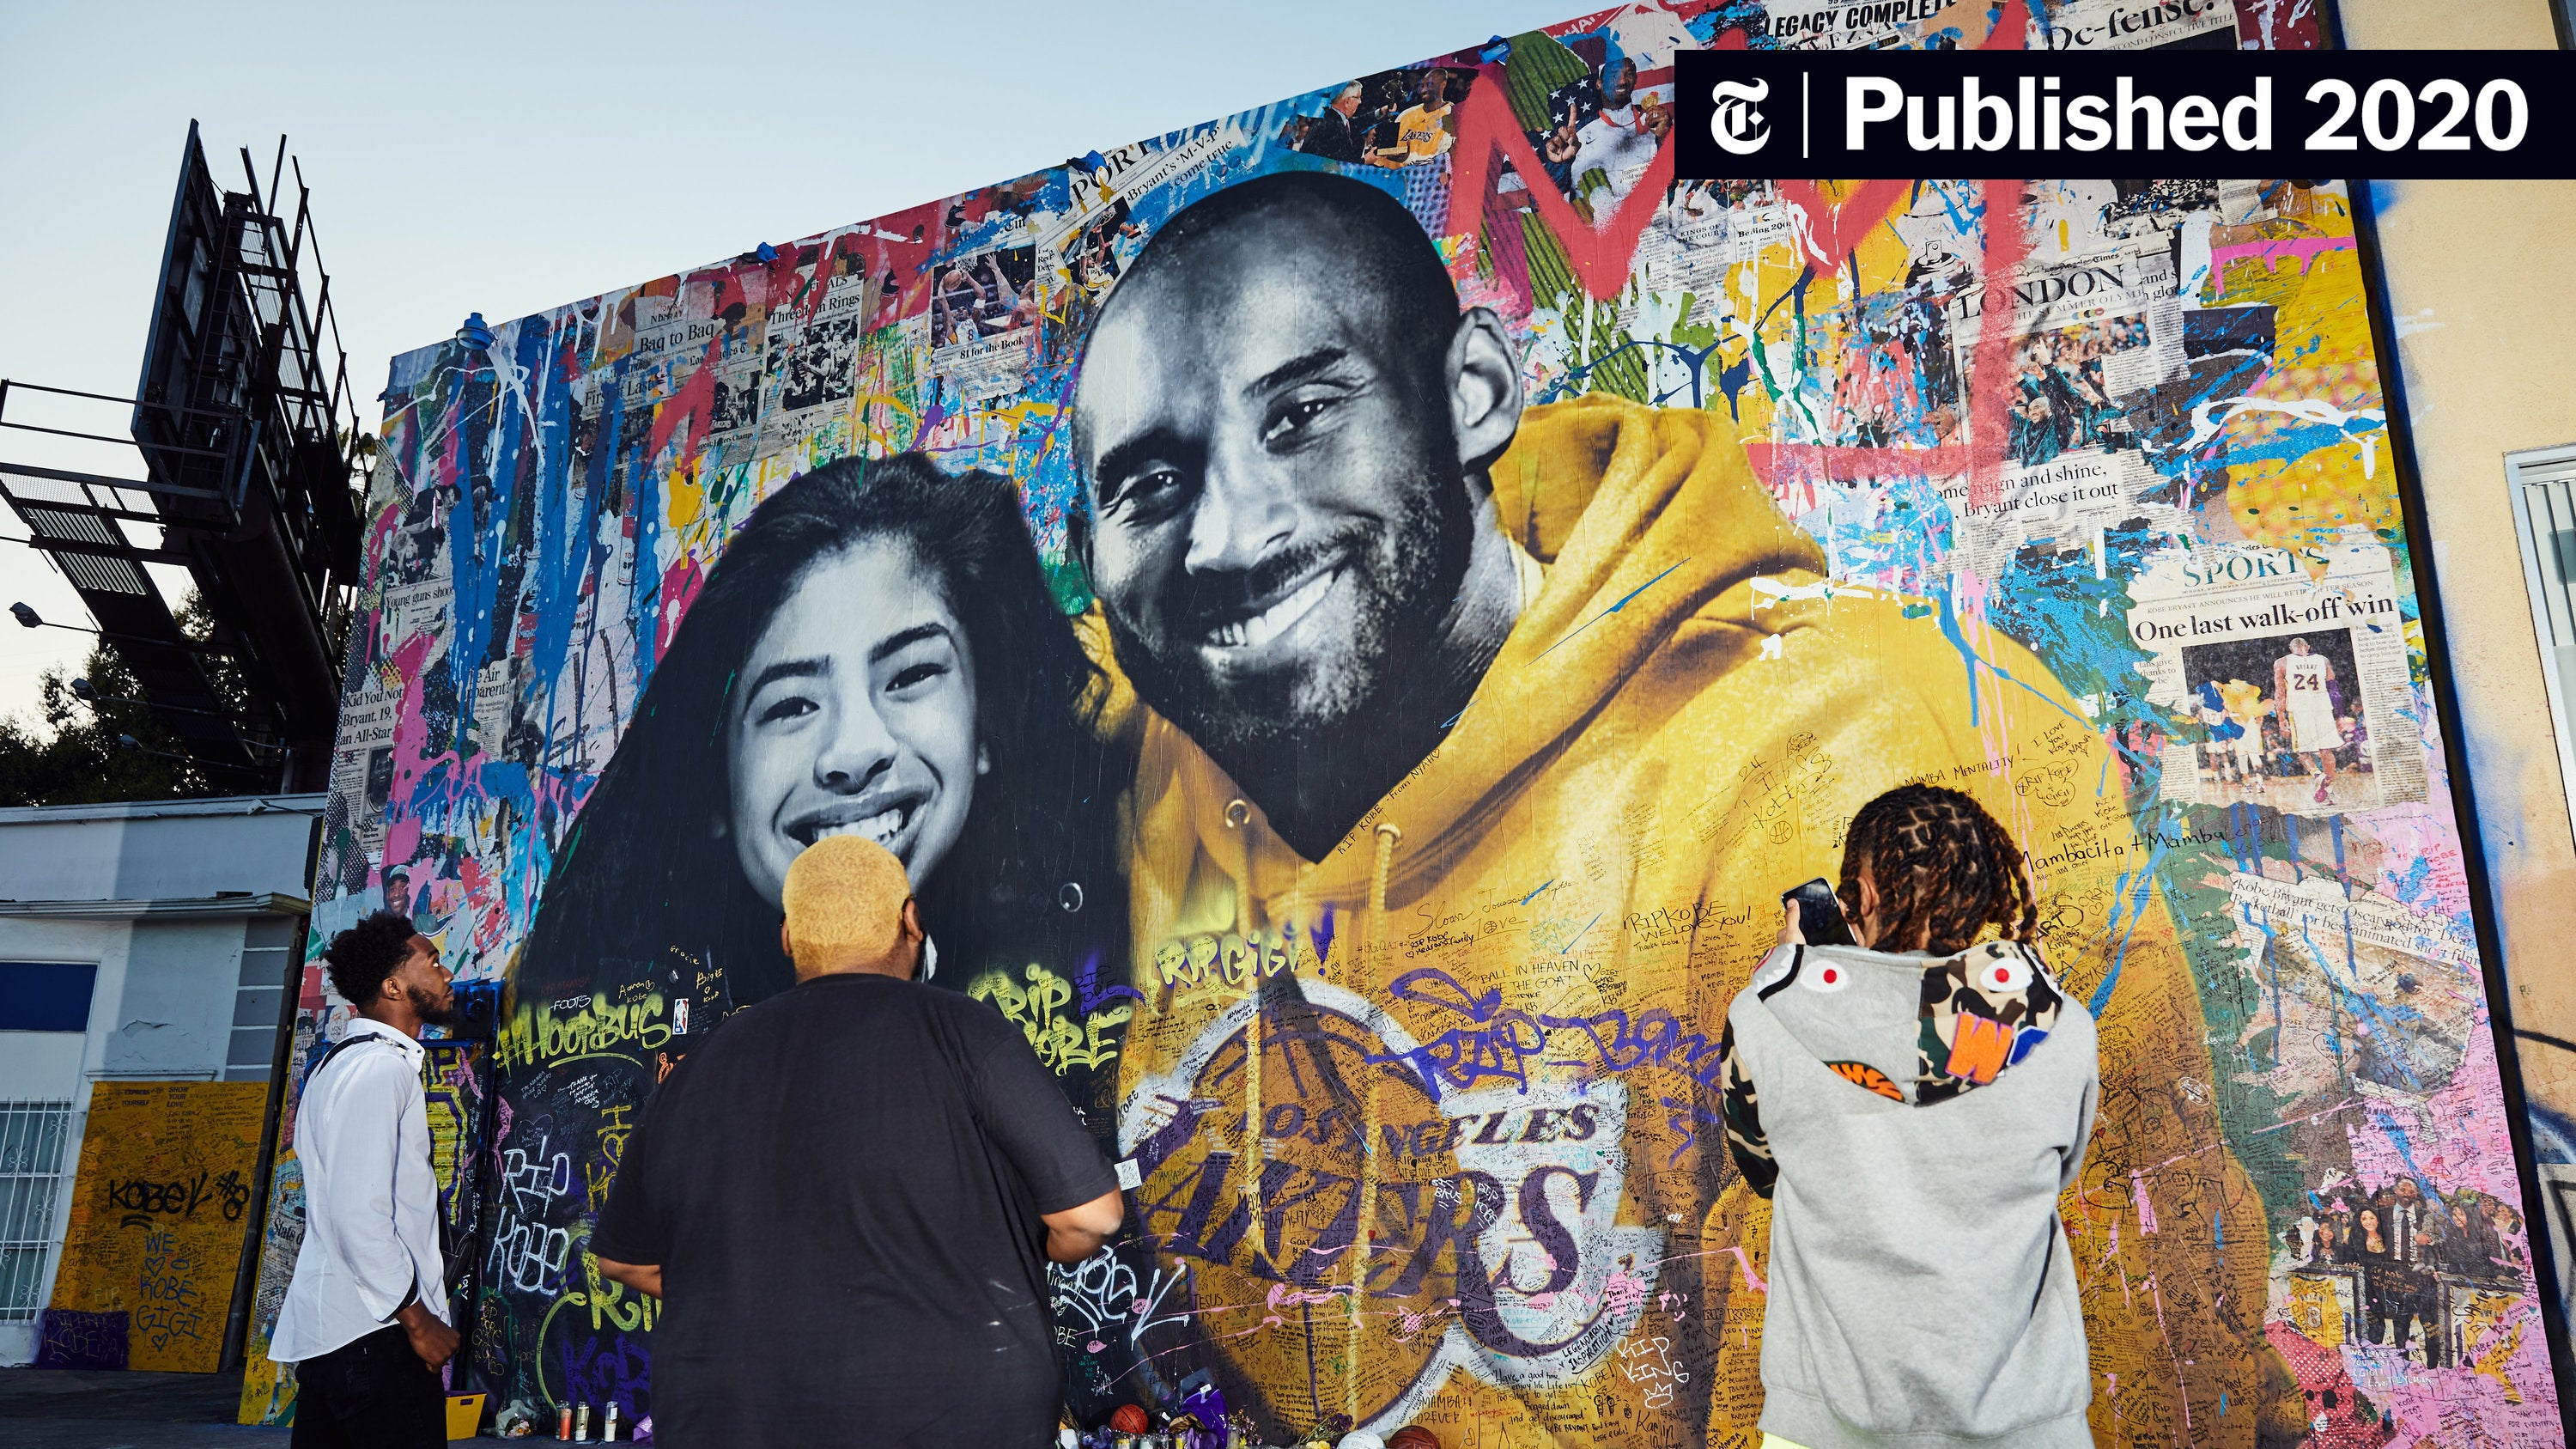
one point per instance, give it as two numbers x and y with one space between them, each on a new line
1388 836
1238 818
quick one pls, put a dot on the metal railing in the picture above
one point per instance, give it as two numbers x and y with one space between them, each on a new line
34 1137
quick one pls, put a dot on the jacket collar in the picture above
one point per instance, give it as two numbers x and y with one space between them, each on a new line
369 1026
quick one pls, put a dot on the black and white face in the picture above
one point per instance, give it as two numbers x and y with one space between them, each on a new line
1278 511
856 715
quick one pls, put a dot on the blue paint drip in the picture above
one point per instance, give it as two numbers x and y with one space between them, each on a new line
2135 908
1972 661
1625 600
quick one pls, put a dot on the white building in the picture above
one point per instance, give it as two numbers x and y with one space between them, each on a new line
154 940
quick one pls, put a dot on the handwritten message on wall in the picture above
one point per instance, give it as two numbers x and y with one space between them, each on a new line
156 1232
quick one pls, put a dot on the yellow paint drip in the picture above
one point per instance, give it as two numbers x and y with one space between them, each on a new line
686 497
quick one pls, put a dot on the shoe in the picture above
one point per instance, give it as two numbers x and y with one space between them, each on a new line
2321 794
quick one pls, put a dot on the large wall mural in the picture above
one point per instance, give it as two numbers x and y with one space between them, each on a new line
1353 613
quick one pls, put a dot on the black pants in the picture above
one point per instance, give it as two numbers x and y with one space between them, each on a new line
2410 1301
374 1393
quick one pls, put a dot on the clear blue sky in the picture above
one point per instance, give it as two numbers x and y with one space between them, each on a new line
504 158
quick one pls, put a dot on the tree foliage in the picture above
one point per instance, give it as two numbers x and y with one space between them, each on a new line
69 754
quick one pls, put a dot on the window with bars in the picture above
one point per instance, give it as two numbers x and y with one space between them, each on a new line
2543 485
33 1136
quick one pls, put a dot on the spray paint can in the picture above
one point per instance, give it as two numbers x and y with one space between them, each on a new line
581 1425
563 1426
608 1435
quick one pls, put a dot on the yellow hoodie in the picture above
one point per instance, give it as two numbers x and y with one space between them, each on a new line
1508 980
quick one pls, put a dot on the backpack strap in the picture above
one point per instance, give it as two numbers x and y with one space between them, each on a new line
328 1054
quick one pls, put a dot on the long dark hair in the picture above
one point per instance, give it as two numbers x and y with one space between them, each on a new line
646 881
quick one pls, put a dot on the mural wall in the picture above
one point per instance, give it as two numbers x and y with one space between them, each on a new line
1352 614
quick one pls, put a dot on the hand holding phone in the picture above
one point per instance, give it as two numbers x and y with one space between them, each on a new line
1819 914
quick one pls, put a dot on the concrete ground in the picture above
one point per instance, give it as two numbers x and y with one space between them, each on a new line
85 1409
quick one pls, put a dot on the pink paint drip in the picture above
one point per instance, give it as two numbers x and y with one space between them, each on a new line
1752 1280
679 587
2146 1207
2304 248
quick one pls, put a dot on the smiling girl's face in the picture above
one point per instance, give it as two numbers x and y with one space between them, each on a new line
854 714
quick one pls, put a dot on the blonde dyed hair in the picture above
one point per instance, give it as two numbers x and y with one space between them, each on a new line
844 898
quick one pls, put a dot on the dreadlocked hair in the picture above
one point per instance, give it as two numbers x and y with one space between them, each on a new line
1944 868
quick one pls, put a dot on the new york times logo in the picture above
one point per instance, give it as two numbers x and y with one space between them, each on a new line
1738 125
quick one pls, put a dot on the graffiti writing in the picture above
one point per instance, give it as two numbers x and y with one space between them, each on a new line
1648 1361
1063 1040
525 1253
1501 1041
1100 1297
1227 959
142 1201
542 1035
600 1171
167 1303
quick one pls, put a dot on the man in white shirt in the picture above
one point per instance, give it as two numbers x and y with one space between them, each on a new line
365 1318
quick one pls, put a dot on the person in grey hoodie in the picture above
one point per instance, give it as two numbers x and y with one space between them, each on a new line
1913 1106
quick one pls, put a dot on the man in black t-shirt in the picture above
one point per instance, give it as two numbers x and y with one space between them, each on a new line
848 1196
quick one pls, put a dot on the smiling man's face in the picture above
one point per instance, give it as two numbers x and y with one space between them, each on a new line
1278 515
854 714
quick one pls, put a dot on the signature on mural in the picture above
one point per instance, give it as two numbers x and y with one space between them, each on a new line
143 1201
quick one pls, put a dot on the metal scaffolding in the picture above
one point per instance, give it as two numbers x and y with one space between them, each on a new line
246 439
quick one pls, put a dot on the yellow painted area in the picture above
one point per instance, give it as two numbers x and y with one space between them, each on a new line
159 1213
685 498
2316 1310
2323 367
2477 282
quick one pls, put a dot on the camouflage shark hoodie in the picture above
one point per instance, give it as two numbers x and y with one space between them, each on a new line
1913 1121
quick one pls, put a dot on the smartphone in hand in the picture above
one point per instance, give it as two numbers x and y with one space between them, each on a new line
1820 914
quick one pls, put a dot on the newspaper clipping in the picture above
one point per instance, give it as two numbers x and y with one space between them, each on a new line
1083 249
1706 228
2287 673
2087 334
1939 24
983 319
808 357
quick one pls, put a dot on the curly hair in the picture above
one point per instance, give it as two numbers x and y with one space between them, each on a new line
1944 869
361 957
